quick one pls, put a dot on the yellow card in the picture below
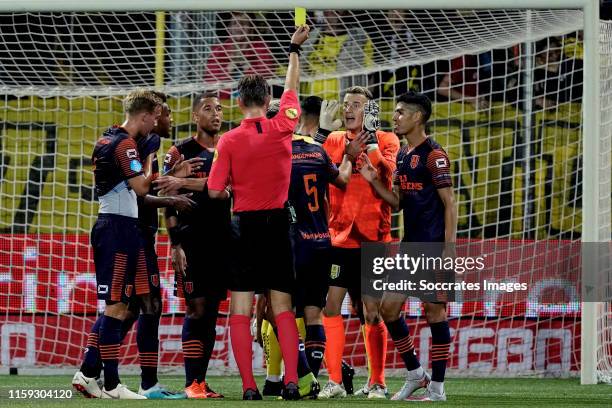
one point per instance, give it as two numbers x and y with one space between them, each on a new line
300 16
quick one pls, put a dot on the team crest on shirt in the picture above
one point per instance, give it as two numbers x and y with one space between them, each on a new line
188 287
131 153
291 113
155 280
414 161
128 290
335 271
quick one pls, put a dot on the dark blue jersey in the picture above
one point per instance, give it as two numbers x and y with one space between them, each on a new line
420 173
311 172
147 216
210 218
115 160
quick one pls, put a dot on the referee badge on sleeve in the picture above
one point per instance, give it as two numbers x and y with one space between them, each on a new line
291 113
335 271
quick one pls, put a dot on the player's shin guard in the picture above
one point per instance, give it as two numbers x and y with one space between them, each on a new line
288 339
403 343
147 340
110 341
92 365
377 352
315 347
440 345
240 332
334 331
193 350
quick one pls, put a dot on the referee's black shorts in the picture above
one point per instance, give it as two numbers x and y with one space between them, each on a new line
265 252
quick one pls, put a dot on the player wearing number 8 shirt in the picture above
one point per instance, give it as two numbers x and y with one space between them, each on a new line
423 189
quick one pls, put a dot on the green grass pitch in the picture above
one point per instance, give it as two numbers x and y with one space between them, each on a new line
470 392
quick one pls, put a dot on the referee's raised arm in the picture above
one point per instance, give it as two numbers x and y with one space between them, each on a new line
292 80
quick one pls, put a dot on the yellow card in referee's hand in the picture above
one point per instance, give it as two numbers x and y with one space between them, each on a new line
300 16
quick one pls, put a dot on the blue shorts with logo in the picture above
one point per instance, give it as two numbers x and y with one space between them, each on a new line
119 257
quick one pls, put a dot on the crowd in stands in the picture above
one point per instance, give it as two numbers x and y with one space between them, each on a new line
339 44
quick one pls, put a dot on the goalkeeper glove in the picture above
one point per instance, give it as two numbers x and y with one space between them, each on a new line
371 123
327 121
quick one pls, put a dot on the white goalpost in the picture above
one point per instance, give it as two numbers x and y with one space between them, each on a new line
531 149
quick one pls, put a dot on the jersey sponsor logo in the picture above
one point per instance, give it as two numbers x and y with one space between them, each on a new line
128 290
291 113
103 289
155 280
189 287
135 165
335 271
441 163
131 153
414 161
412 186
309 155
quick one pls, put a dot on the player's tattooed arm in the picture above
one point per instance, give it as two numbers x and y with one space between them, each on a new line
180 202
450 214
177 255
369 172
169 185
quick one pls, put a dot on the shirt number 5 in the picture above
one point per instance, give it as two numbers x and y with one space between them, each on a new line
311 190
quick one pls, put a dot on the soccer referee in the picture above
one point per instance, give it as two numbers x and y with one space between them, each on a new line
256 158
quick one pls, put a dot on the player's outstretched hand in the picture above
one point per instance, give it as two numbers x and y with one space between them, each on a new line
300 35
327 116
368 171
179 260
186 168
167 185
183 203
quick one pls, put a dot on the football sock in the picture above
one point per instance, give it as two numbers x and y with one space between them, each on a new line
315 347
303 368
334 332
92 365
209 335
193 350
440 346
366 344
400 334
272 350
377 351
147 339
288 340
109 343
240 332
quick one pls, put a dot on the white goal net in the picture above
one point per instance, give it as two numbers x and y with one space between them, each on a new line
507 87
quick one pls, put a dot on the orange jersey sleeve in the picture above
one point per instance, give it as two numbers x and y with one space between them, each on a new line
357 213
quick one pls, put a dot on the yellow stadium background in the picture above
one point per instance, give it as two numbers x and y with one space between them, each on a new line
46 179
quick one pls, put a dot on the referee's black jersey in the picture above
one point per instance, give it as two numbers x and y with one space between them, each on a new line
420 173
